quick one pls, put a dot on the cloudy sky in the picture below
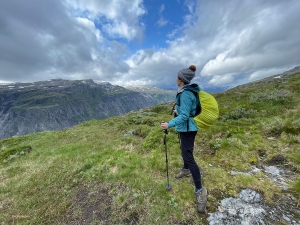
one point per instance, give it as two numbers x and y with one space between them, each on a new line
146 42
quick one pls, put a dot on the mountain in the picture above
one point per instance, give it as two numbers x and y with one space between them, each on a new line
283 77
215 89
57 104
160 95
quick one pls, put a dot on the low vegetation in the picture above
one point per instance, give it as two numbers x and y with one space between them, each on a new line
113 171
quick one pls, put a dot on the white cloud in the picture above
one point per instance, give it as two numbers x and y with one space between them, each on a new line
190 5
162 22
117 17
162 8
222 80
120 30
237 46
229 43
91 26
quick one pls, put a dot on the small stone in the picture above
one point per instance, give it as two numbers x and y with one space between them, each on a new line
221 209
256 170
272 170
250 196
285 188
286 218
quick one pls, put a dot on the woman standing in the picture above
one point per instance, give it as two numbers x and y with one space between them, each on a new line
186 105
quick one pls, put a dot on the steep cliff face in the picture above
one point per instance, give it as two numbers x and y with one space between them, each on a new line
58 104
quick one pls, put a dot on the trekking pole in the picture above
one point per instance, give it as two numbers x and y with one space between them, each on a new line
168 186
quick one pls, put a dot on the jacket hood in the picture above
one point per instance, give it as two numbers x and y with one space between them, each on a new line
191 87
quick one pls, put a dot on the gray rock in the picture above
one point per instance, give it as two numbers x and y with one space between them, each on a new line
250 209
250 196
273 170
238 211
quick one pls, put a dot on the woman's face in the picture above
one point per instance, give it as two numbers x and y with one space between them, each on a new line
179 82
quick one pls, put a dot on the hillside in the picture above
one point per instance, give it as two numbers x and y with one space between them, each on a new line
160 95
58 104
113 171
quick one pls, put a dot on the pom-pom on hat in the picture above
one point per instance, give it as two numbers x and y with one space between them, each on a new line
186 75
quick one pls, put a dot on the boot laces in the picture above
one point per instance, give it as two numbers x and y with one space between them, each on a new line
200 199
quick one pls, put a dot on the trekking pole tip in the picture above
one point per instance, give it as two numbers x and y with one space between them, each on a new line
169 187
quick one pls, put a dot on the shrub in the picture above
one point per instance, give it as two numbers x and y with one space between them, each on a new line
272 95
159 108
14 152
273 126
238 113
143 118
215 144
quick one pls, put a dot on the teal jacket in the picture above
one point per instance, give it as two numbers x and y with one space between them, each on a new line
186 107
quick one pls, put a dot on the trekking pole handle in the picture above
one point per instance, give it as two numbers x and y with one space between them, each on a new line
165 130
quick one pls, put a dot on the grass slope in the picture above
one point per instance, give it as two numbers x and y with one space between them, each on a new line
113 171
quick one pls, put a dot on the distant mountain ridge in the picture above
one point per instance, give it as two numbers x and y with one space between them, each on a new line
57 104
160 95
283 76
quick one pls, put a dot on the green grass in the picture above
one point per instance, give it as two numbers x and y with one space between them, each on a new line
113 171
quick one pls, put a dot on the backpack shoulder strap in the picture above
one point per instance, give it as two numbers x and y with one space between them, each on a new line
196 94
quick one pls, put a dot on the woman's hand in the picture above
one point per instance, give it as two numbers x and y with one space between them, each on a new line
164 125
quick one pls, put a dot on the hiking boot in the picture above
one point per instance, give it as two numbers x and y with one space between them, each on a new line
183 173
201 197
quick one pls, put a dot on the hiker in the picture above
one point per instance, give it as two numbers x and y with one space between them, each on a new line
187 129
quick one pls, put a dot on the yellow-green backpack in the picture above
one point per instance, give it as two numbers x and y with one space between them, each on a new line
207 111
210 111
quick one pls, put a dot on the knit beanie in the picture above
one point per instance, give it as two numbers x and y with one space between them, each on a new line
186 75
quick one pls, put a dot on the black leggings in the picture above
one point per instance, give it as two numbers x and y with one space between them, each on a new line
187 146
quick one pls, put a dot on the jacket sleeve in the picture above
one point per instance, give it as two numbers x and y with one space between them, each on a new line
183 111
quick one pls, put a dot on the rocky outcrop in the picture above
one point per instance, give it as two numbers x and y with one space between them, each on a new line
58 104
249 206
